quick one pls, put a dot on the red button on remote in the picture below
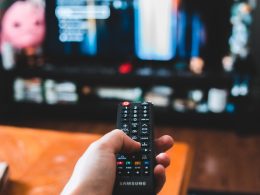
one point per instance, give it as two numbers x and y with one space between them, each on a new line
125 103
120 163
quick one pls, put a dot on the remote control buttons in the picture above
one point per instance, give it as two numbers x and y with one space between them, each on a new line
146 172
135 122
135 107
145 119
145 150
145 108
134 125
126 131
124 115
144 138
121 157
134 137
125 125
134 119
137 167
137 172
136 157
144 116
144 129
144 125
146 167
125 119
134 132
145 157
120 163
144 132
125 112
120 167
120 171
125 104
144 144
144 111
134 111
135 115
128 171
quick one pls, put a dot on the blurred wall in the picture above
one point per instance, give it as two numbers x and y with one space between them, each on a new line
256 54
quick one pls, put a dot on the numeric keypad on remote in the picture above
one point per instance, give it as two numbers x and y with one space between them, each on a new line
134 120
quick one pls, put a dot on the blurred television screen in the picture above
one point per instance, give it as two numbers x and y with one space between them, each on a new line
210 34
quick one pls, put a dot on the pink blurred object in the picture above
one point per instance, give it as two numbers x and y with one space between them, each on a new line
23 25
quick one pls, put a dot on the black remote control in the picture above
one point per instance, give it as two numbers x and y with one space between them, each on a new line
135 171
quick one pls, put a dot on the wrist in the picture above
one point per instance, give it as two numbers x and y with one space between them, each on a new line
85 189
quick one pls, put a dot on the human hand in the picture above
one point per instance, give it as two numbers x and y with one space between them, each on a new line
95 171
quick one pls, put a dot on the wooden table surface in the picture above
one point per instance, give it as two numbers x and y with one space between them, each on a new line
41 161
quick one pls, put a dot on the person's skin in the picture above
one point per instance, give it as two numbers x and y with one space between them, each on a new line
95 171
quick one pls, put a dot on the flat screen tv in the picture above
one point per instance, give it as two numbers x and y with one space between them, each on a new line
200 34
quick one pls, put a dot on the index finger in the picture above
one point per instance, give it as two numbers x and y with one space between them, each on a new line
164 143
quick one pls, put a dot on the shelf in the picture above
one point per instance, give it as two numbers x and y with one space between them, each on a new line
107 112
110 76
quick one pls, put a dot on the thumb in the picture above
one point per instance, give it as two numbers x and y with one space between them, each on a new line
118 141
